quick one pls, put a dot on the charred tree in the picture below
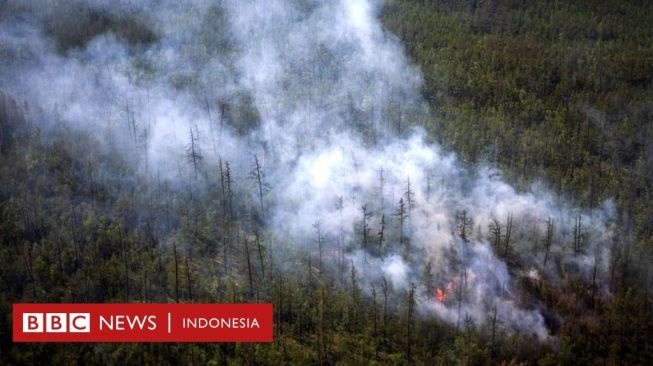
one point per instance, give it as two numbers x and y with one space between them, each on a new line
506 249
192 151
249 269
495 229
381 233
365 228
256 174
260 252
410 201
400 214
464 224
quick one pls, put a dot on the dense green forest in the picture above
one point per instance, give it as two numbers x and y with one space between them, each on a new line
552 91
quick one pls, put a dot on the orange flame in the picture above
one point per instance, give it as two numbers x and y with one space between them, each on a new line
441 295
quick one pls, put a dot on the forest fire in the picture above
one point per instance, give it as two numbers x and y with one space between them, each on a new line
442 295
341 160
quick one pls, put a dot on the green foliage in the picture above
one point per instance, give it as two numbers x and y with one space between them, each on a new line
547 88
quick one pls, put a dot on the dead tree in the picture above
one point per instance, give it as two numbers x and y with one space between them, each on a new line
226 180
381 234
464 225
428 280
495 229
508 234
400 214
193 152
548 241
366 228
257 175
410 201
577 236
577 242
249 269
260 252
223 187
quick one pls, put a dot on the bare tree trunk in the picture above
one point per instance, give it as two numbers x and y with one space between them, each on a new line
260 254
174 252
508 233
384 287
249 269
366 230
257 174
548 240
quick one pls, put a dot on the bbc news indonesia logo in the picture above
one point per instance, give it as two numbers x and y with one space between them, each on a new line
142 322
56 322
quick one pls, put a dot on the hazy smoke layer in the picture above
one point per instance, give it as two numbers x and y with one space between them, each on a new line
325 99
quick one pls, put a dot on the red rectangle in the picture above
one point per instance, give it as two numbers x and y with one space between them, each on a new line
142 322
